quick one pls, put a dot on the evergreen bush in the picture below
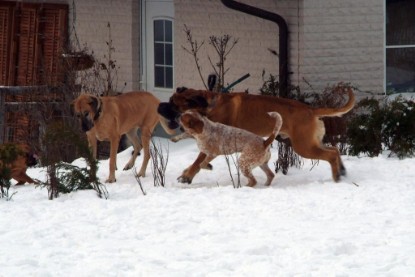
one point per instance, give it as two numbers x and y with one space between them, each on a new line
382 125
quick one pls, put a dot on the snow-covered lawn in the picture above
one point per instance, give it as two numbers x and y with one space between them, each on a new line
303 225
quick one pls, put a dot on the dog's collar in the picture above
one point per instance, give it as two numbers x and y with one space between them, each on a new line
99 110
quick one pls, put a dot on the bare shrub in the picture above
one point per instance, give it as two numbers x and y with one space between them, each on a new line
222 45
159 158
232 162
138 179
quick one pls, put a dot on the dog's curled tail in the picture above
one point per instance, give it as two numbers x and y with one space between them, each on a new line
165 125
277 127
322 112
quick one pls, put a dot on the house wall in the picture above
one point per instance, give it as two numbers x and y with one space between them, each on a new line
250 55
329 42
342 40
88 20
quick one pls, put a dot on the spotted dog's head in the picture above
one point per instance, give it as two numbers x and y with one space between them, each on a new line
184 99
192 122
87 108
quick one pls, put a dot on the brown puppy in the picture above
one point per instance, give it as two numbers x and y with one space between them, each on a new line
301 123
214 139
109 117
19 166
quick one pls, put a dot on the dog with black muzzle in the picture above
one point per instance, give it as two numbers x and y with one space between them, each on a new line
109 117
302 123
18 167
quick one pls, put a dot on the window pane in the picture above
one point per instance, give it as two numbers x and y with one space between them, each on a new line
158 30
400 70
400 22
168 31
159 76
169 54
159 53
169 77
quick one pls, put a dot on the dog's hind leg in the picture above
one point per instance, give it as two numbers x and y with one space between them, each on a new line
23 178
268 172
115 141
133 138
313 150
340 162
206 163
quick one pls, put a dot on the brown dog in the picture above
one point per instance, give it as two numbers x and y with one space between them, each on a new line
214 139
301 123
109 117
19 166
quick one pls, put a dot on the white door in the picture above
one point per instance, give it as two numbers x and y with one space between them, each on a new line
157 47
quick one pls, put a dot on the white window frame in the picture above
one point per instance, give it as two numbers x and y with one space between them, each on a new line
386 47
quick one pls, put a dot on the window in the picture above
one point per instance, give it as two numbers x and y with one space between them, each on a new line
163 54
400 46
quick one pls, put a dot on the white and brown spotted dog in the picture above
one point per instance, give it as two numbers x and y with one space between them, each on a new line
216 139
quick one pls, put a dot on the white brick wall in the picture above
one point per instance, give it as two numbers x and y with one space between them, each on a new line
91 21
329 40
343 41
205 18
91 18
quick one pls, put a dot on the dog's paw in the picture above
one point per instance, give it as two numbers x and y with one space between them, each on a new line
207 167
111 180
184 179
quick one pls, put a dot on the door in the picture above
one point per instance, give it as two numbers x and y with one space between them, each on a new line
157 47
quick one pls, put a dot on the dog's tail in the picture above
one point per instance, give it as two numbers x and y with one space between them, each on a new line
322 112
277 127
164 123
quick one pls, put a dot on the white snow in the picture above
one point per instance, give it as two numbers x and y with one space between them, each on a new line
303 225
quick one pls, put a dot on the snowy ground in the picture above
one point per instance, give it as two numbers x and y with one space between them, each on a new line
303 225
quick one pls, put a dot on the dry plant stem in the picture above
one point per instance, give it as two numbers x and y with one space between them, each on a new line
194 49
159 163
220 44
235 159
138 179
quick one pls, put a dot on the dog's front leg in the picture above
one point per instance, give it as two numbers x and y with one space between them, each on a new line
180 137
113 159
92 142
191 171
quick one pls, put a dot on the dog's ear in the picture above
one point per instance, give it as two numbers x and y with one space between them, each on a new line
180 89
196 124
93 103
197 102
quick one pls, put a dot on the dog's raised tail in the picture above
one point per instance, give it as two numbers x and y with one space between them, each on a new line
322 112
277 127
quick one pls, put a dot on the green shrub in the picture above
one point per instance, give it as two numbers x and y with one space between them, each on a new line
364 129
398 130
381 125
62 176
